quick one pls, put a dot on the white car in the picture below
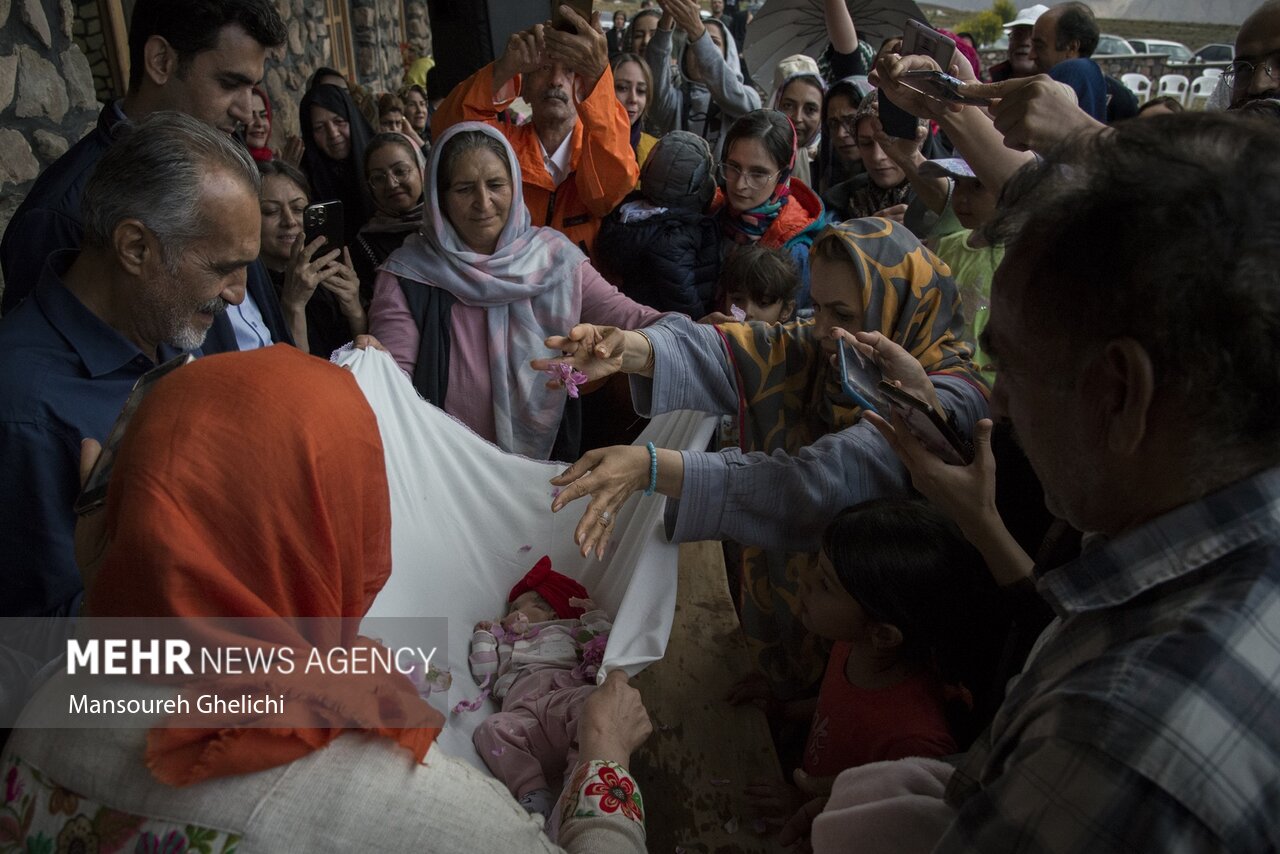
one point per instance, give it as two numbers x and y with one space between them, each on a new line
1176 51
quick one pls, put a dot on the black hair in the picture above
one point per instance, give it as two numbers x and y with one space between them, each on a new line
460 144
1173 104
1182 258
193 26
283 169
767 275
1076 23
908 565
775 132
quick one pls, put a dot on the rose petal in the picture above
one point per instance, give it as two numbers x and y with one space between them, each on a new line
738 314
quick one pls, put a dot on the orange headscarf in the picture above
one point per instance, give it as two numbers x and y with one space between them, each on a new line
253 485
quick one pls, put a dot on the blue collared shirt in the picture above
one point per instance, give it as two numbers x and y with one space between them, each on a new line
64 376
1148 717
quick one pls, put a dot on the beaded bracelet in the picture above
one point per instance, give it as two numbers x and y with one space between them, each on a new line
653 469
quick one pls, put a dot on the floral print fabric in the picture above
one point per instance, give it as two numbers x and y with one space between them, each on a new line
41 817
600 789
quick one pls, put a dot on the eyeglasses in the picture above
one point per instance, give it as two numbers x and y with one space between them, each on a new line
1240 72
382 180
756 179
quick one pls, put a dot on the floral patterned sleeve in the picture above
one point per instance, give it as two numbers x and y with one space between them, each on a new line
601 801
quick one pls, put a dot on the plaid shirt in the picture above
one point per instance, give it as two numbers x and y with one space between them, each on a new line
1148 717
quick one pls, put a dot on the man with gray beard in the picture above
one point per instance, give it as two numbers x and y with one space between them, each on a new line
171 225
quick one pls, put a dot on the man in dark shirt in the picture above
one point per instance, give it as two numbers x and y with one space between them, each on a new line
171 224
200 58
1062 41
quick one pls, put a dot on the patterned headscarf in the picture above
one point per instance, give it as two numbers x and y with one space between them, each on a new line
908 295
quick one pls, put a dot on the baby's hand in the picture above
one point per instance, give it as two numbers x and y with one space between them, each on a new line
484 626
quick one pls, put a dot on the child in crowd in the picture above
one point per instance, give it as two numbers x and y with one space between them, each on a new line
540 662
660 247
906 601
911 609
972 259
759 284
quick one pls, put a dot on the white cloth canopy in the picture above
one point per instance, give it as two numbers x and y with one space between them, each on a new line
468 520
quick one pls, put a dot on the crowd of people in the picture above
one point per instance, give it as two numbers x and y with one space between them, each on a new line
1057 634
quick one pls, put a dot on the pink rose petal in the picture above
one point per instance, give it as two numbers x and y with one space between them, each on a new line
738 314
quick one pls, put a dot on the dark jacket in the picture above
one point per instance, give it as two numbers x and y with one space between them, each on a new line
669 261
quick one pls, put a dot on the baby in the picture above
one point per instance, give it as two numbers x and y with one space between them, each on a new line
542 659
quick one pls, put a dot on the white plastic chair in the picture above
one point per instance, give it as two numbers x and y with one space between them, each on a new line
1175 85
1139 85
1211 72
1201 88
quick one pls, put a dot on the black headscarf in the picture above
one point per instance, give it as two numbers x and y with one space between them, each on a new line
338 179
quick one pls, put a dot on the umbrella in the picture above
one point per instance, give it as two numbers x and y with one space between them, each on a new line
786 27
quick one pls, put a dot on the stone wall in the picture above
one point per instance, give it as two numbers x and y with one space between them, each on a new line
47 97
418 24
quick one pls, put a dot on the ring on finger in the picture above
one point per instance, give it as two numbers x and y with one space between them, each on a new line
605 517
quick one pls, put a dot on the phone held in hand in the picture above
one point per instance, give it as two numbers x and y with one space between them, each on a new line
324 219
859 377
940 86
584 8
927 424
922 40
94 493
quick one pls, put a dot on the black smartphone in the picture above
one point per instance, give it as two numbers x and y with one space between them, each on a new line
941 86
324 219
94 493
582 7
928 425
922 40
859 377
896 121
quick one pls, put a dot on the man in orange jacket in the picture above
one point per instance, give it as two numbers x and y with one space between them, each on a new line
575 155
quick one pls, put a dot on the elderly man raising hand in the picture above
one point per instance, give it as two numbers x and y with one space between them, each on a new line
575 155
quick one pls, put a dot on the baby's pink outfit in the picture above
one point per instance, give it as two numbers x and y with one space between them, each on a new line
533 739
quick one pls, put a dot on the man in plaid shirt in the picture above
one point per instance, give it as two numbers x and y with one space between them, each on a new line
1135 323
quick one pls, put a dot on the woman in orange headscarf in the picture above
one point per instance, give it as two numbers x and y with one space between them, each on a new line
253 485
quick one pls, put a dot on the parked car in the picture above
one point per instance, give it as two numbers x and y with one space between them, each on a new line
1214 53
1176 51
1112 46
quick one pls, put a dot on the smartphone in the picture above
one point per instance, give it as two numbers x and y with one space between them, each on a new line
582 7
921 39
939 85
928 425
324 220
896 121
94 493
859 377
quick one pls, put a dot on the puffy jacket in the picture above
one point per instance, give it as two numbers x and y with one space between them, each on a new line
669 261
793 229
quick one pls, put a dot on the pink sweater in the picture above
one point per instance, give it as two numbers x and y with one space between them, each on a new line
391 323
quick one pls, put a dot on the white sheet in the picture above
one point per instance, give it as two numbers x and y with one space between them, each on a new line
463 511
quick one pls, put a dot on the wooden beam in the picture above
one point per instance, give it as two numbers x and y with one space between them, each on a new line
116 37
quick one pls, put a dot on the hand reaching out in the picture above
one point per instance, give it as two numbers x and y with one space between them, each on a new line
687 16
585 52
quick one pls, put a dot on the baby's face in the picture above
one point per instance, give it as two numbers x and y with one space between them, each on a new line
533 606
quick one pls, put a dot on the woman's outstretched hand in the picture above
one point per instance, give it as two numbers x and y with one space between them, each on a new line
608 476
895 363
598 352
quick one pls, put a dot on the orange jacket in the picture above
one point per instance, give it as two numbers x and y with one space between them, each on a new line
603 166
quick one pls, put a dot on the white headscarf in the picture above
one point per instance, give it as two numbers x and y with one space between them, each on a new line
528 288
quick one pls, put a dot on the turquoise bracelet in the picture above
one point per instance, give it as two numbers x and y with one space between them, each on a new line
653 469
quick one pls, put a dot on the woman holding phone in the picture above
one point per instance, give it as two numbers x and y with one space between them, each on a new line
804 445
334 134
318 288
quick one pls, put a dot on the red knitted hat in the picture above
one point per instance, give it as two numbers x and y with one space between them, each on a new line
557 589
